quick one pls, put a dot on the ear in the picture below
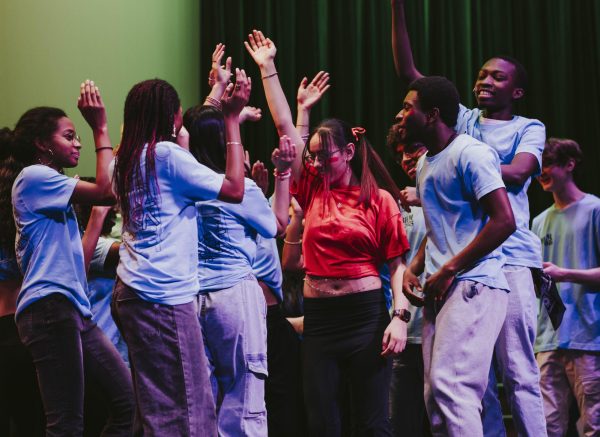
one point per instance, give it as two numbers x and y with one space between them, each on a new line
433 115
350 149
40 147
518 93
570 165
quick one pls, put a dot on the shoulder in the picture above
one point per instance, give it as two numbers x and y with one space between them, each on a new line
38 172
471 149
385 201
528 124
539 219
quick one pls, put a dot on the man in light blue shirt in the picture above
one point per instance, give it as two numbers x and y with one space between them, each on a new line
569 357
467 217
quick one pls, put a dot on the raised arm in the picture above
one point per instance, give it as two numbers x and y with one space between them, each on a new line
92 109
308 95
403 57
89 240
218 78
233 101
263 52
500 226
291 256
282 158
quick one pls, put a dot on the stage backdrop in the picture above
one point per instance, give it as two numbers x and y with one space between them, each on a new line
558 41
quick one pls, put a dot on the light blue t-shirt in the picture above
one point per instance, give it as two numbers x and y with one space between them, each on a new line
159 255
227 237
571 239
9 269
48 247
508 138
414 225
450 185
266 266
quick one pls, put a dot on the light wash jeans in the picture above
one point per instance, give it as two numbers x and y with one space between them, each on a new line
458 344
568 374
172 389
515 361
234 327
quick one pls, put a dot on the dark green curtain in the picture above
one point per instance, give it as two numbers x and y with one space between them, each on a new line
558 41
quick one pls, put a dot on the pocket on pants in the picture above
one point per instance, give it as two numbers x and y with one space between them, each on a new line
256 374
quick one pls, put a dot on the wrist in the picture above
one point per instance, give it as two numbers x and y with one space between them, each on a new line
402 314
267 68
100 130
450 268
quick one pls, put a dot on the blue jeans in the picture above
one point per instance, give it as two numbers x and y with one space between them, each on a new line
70 352
168 364
234 327
515 361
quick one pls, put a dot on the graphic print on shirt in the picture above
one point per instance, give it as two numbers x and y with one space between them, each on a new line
145 224
547 240
408 221
211 232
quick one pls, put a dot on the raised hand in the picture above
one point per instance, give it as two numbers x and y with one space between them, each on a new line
311 93
261 49
236 96
284 156
91 106
219 74
260 175
250 113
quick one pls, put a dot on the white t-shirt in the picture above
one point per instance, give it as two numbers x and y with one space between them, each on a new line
509 138
159 254
48 247
450 185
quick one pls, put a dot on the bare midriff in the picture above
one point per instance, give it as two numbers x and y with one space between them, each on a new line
318 287
9 290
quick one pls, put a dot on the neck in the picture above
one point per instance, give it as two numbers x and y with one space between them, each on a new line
499 113
567 194
348 180
441 137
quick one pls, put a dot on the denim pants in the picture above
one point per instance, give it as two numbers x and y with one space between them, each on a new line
70 352
234 326
458 343
407 407
514 360
567 375
166 354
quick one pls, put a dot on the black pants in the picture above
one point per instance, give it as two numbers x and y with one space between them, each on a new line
21 411
342 357
283 387
68 353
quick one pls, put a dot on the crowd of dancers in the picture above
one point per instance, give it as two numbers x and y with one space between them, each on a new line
398 310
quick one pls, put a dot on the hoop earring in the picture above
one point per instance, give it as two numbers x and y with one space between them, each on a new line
50 161
174 134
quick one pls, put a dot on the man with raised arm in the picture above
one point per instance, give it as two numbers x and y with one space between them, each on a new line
519 142
467 217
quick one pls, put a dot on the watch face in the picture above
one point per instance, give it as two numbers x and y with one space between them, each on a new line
403 315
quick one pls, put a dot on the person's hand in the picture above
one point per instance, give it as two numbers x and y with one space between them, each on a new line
236 96
284 156
261 49
394 338
219 74
250 113
260 175
91 106
411 282
296 208
311 93
183 138
555 272
408 198
437 285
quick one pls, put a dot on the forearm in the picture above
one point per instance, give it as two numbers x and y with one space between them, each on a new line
291 257
233 184
588 277
417 264
89 240
396 274
303 121
403 57
281 203
104 155
214 97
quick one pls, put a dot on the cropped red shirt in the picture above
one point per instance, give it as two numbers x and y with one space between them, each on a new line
345 239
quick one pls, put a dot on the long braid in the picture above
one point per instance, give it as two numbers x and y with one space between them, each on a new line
149 117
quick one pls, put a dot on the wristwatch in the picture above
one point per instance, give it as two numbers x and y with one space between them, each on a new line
402 314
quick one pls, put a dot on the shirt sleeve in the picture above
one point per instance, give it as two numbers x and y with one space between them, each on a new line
44 190
533 141
481 169
194 181
391 232
100 253
258 213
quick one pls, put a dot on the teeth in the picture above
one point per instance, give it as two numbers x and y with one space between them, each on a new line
485 93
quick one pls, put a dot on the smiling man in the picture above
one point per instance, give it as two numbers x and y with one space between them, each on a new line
519 142
467 217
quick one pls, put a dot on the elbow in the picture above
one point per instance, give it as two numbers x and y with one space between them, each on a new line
509 226
282 124
235 195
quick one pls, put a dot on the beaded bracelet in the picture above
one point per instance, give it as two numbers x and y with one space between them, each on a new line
283 175
213 102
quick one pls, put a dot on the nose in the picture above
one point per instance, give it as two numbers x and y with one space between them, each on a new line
77 143
400 115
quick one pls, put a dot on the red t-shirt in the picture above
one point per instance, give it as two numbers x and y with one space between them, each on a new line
344 239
